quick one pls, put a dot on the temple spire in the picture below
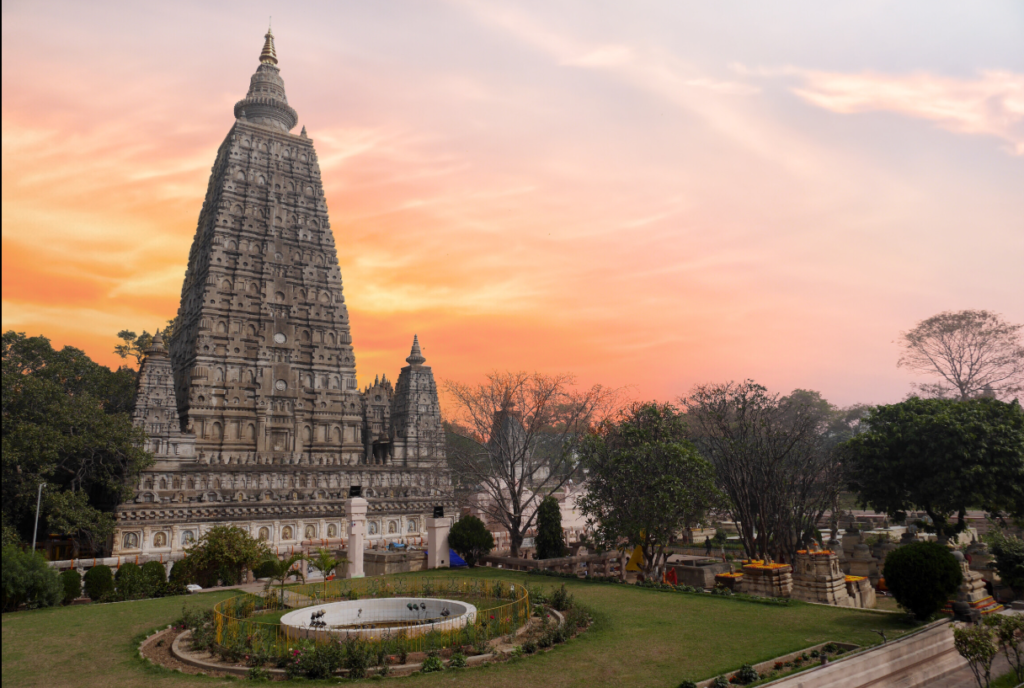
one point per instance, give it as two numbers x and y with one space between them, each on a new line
266 102
269 54
416 357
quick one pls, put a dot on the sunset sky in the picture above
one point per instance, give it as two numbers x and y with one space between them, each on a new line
646 194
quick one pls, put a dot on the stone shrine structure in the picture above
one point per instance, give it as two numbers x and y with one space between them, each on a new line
251 404
972 593
818 578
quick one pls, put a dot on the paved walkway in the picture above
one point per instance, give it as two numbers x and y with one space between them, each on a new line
963 678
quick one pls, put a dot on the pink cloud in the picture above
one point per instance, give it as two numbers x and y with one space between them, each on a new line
992 105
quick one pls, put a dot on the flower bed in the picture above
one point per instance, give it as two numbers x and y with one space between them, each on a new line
232 639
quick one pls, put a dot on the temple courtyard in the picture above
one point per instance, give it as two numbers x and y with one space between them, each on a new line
639 637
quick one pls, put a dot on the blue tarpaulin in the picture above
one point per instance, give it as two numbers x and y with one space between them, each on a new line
454 560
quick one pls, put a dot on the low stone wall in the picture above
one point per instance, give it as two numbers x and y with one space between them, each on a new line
382 563
700 576
604 564
914 661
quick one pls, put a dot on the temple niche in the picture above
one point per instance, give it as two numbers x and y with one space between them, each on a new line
251 404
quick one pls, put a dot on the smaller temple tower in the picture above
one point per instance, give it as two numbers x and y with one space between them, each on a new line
377 421
156 410
416 431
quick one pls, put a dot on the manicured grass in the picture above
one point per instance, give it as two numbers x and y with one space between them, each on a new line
639 638
1008 680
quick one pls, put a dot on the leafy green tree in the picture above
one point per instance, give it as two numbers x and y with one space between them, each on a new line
1009 633
224 552
66 422
977 646
1009 554
71 583
645 481
940 456
28 579
10 535
922 577
471 539
550 542
281 570
133 345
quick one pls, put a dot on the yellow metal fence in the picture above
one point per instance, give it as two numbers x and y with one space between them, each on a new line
239 620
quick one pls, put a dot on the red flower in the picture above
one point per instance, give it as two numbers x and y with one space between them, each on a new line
492 617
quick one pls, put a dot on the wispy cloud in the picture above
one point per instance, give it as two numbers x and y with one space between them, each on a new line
990 105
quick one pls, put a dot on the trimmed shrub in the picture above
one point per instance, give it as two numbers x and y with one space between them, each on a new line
471 539
99 581
28 579
922 576
265 569
130 582
746 674
154 574
72 584
179 573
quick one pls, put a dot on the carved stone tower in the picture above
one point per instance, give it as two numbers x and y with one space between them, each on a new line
264 373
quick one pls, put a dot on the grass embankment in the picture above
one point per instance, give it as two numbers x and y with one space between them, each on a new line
639 638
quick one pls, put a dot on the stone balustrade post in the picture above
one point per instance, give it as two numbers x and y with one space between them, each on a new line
355 511
437 542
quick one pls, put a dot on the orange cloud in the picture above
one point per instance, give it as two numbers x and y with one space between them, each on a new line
522 192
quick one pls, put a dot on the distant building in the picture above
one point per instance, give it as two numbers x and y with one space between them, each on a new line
252 407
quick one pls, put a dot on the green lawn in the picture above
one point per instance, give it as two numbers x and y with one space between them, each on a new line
639 638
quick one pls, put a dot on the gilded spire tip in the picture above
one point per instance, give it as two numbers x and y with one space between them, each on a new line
269 53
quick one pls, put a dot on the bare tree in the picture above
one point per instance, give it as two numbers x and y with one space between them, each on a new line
515 440
774 457
973 352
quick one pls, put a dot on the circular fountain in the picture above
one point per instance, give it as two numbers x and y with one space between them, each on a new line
374 618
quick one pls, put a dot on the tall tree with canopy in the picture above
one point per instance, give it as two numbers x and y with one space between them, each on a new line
775 457
941 456
224 552
513 441
971 352
66 422
645 482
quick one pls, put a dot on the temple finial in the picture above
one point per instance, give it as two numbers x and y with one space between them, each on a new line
269 54
416 357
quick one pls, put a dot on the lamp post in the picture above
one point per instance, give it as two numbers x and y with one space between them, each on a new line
35 528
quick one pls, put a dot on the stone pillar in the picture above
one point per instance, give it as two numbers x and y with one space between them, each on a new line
437 542
355 510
